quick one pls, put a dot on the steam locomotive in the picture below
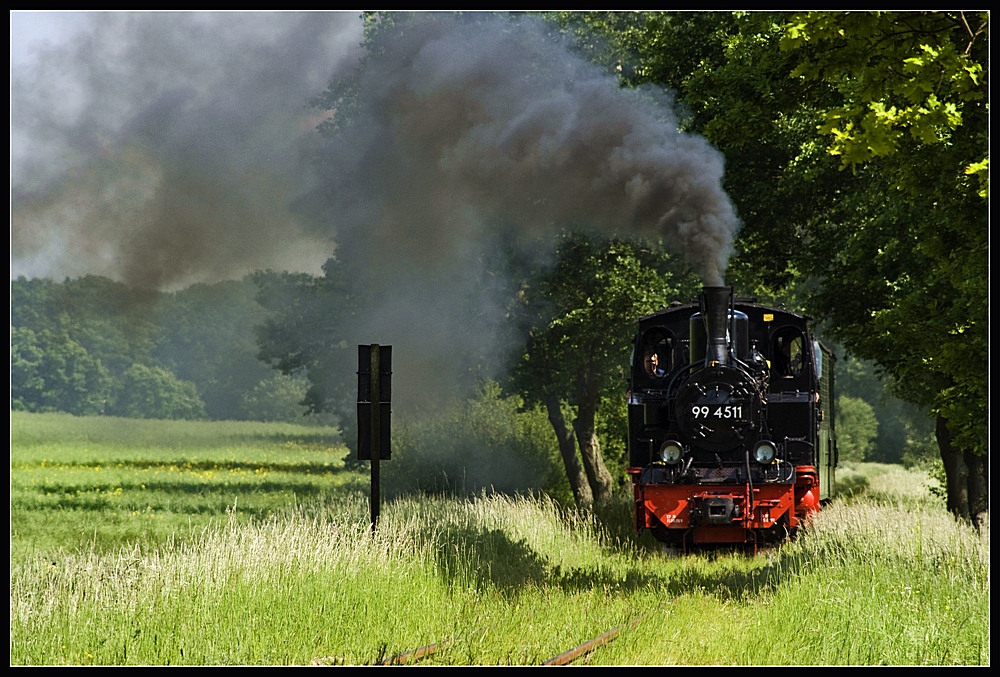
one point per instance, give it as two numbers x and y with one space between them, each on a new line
731 422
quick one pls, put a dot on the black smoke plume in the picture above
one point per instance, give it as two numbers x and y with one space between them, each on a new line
466 118
165 149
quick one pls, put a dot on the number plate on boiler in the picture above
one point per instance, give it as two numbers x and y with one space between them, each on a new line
727 411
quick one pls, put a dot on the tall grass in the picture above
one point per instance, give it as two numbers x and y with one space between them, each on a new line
304 588
884 577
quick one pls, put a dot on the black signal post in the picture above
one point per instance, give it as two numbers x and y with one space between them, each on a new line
374 413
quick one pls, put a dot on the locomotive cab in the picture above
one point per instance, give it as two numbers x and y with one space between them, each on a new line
730 421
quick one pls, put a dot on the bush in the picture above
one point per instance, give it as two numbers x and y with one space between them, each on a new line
857 428
850 482
154 392
487 443
278 398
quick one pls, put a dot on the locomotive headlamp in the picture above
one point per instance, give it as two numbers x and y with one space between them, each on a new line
764 452
671 452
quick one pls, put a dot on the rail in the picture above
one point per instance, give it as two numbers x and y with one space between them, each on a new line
589 646
565 658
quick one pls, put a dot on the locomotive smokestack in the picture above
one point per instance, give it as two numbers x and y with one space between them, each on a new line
716 310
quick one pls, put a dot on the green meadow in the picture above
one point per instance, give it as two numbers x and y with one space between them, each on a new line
101 483
140 542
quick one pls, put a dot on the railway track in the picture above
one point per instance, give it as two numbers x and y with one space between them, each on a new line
416 654
567 657
581 650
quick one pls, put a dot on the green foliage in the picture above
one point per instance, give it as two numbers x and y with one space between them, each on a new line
580 313
939 478
919 72
26 385
578 317
894 252
205 335
857 428
304 334
113 323
908 289
52 372
278 398
850 481
905 430
154 392
897 72
71 340
490 442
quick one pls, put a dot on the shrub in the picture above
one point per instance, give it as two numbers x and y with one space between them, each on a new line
857 428
278 398
487 442
154 392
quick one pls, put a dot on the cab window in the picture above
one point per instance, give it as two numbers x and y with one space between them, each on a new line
658 353
787 353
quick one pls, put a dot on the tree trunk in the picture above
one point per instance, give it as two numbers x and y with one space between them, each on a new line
582 493
590 448
955 470
978 488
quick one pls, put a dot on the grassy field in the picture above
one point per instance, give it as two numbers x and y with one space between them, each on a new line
102 483
180 543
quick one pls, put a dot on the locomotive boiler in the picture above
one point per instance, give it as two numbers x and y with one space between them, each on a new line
731 426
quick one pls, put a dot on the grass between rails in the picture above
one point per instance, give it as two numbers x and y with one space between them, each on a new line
883 577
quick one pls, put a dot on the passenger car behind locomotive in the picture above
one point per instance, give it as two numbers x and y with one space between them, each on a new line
731 426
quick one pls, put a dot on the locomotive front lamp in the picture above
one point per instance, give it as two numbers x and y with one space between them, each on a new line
764 452
671 452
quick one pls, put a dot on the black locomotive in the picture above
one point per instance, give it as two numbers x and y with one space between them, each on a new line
731 425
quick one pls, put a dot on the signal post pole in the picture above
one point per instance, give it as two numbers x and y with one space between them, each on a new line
374 410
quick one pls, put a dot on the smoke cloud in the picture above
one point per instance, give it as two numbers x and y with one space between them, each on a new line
166 149
469 118
466 129
163 149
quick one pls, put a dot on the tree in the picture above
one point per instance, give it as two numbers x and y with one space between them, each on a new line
26 386
52 372
113 323
913 117
154 392
278 398
733 86
304 336
202 334
857 428
905 430
919 74
857 156
205 335
577 320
